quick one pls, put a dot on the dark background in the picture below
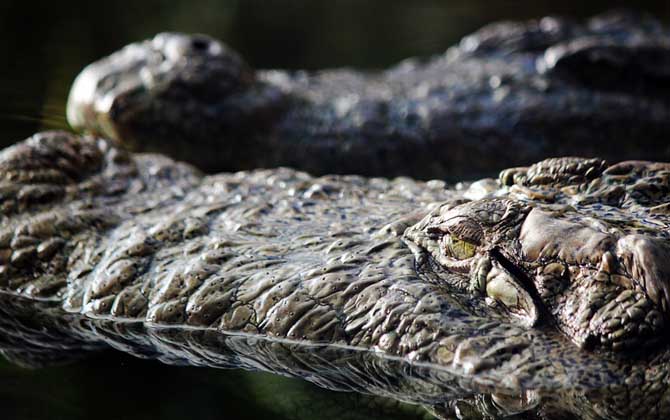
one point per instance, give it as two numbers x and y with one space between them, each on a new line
45 44
112 386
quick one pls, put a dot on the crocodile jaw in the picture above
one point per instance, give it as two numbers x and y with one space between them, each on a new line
97 92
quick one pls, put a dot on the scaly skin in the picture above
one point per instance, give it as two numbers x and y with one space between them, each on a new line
589 249
510 94
544 292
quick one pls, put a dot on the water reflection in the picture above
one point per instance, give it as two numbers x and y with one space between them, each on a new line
557 384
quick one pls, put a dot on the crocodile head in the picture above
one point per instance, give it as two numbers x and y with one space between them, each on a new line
172 83
511 93
601 287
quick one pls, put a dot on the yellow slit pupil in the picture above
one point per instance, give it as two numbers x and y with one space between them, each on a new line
459 249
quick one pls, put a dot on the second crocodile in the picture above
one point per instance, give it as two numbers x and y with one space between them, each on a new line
510 94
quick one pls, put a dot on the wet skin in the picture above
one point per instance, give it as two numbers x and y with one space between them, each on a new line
543 293
509 94
543 290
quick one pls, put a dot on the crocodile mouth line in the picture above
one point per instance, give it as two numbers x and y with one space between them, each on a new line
523 280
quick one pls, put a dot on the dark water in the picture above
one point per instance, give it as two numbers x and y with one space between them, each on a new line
44 45
114 386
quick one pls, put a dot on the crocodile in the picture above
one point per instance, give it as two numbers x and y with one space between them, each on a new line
542 293
510 94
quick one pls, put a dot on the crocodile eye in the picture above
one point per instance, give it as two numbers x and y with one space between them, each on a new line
458 248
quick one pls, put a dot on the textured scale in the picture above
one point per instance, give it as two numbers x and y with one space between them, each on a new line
330 279
509 94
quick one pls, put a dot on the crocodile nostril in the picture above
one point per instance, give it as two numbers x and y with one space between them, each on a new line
199 44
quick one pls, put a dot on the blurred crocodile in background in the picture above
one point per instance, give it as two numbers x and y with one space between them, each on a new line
510 94
543 293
